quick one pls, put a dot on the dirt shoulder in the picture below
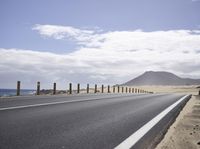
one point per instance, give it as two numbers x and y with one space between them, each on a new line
185 131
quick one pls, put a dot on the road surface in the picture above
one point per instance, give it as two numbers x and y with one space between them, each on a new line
95 121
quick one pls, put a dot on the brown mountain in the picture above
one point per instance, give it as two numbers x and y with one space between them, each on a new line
161 78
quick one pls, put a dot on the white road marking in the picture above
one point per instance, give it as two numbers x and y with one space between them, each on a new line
135 137
42 104
52 103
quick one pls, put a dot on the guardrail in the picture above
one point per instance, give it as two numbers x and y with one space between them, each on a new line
87 90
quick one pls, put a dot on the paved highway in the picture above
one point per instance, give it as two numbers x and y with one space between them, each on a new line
95 121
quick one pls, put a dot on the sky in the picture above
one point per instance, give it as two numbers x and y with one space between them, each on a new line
96 41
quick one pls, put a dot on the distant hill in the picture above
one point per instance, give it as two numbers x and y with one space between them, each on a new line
161 78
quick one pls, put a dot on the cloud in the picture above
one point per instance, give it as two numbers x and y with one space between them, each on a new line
104 57
63 32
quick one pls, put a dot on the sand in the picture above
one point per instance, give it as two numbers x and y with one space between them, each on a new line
172 89
184 133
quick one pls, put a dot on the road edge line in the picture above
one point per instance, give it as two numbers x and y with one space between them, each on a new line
136 136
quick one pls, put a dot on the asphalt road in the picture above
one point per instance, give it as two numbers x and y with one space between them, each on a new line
96 121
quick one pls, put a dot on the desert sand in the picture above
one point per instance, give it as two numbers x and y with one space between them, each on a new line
184 133
172 89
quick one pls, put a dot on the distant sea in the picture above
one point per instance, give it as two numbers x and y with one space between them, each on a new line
12 92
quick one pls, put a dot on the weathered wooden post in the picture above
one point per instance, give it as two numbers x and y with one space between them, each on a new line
118 89
95 88
38 88
122 89
70 88
113 89
78 88
108 88
54 88
18 88
88 88
102 88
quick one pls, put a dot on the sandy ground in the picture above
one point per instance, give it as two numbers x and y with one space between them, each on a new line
184 133
172 89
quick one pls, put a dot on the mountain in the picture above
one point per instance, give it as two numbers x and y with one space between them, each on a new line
161 78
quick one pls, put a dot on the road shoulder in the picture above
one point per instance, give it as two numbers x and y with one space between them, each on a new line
184 133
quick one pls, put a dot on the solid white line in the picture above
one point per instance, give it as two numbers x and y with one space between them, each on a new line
43 104
135 137
50 103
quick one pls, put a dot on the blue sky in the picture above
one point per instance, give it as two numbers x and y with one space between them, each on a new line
17 17
76 28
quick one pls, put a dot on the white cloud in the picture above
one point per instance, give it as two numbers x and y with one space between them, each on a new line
62 32
109 57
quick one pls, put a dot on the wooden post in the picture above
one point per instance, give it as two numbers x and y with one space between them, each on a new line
108 88
113 89
78 88
54 88
122 89
70 88
135 90
95 88
102 88
88 88
38 88
118 89
126 89
18 88
132 90
129 90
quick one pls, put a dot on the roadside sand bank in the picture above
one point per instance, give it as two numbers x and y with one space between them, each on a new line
184 133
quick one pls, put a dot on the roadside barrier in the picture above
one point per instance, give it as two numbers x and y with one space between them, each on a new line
110 89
